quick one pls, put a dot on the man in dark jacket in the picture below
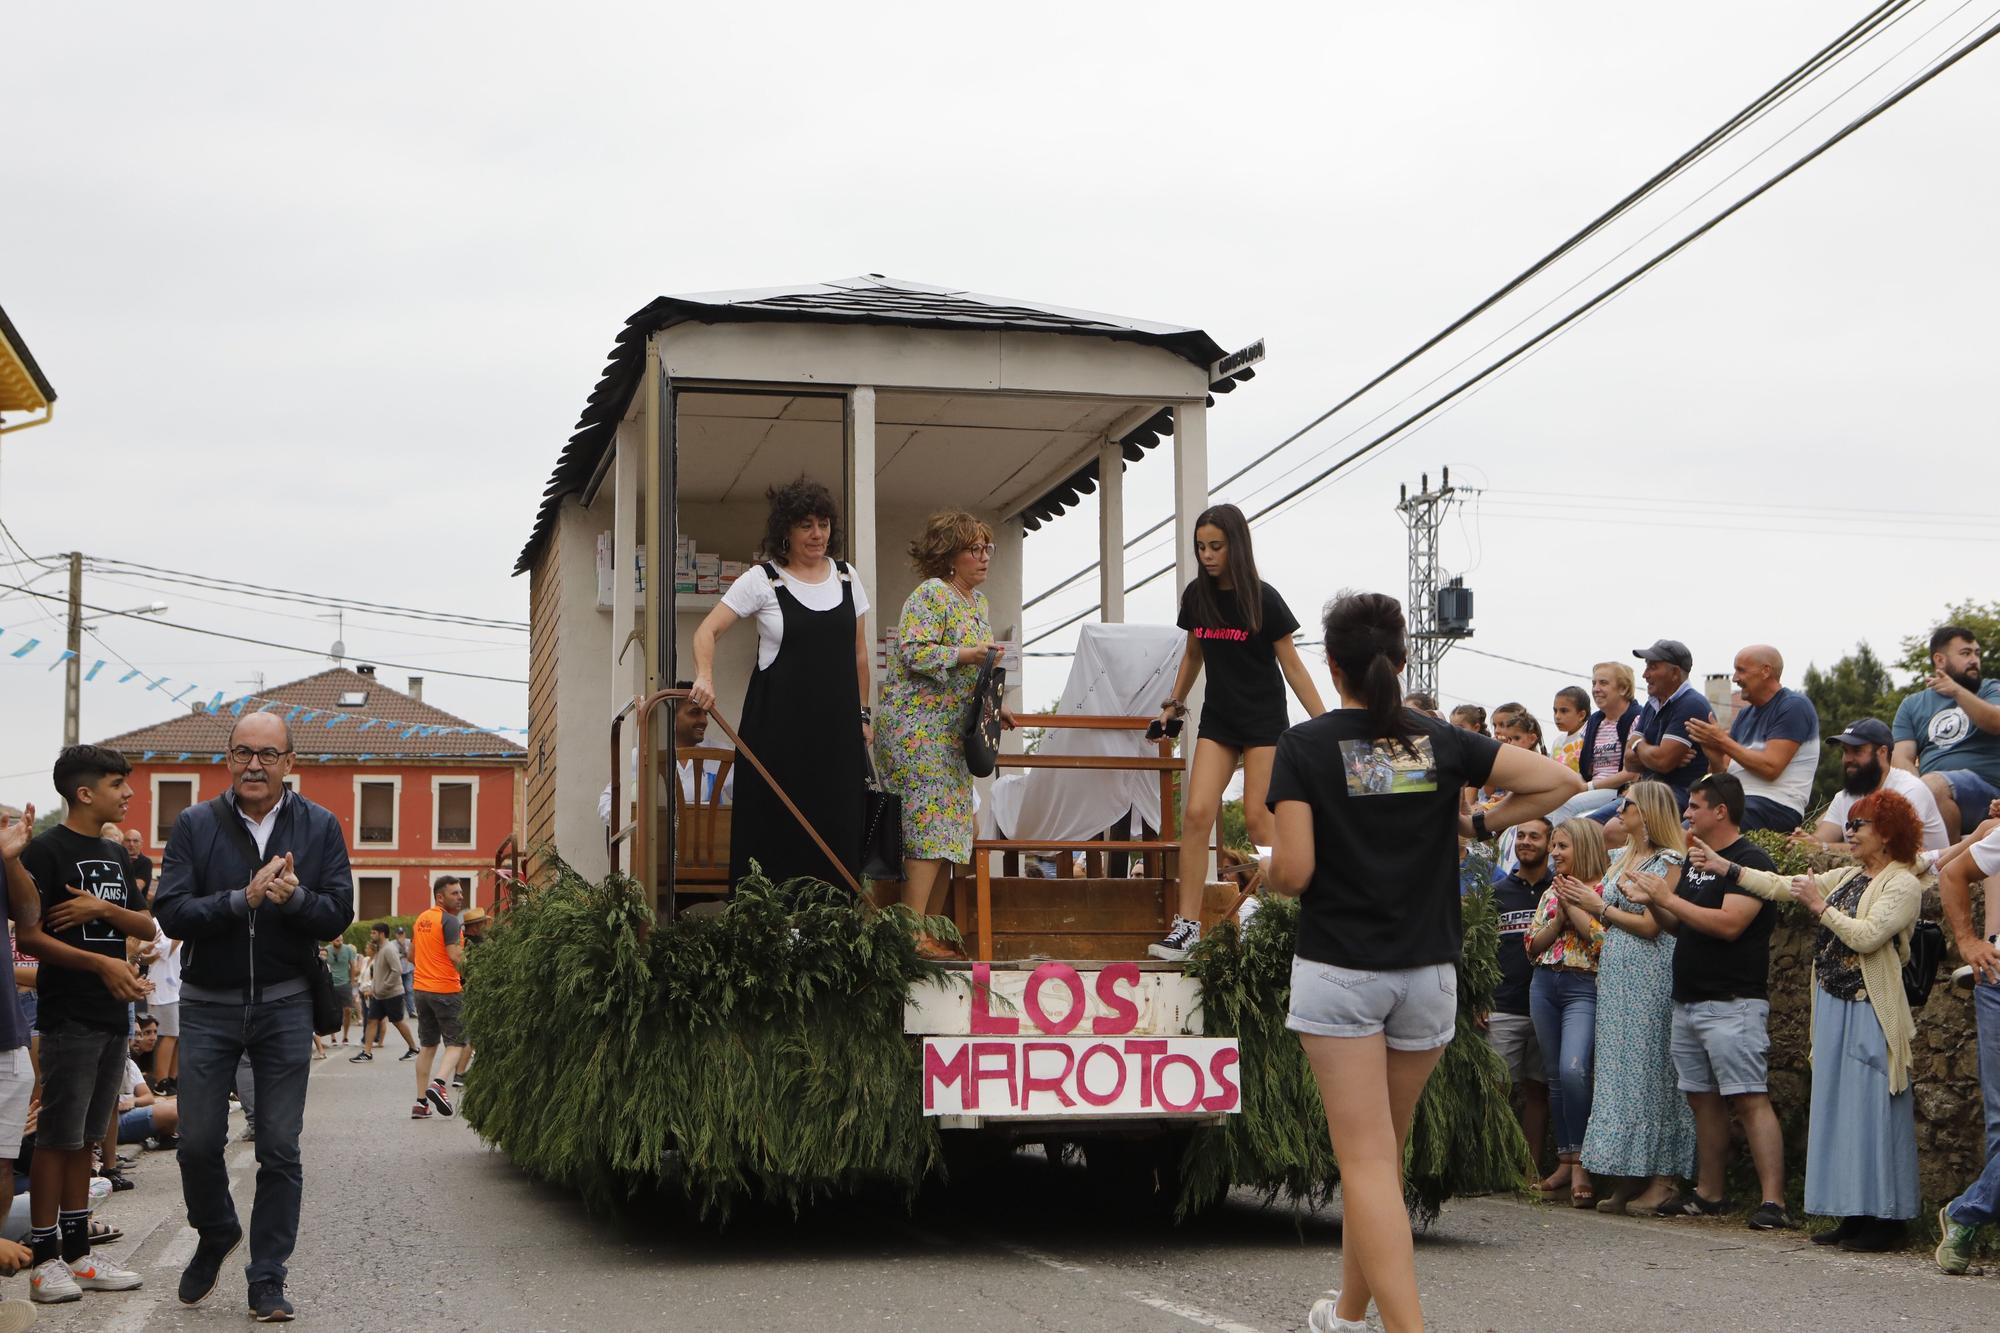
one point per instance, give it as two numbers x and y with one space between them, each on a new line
250 882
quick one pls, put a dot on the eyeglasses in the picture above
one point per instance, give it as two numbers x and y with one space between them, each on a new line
1854 824
243 754
979 549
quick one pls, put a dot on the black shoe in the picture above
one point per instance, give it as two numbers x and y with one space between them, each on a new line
1875 1235
1838 1232
458 1080
119 1180
1691 1204
166 1142
198 1278
409 1054
1771 1217
359 1057
268 1303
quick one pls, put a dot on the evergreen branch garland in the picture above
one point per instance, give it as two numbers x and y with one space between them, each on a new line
1464 1140
754 1054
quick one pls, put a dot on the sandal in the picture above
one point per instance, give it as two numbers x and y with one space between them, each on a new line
1583 1198
103 1233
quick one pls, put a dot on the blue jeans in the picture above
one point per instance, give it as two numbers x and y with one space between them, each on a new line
277 1036
1563 1003
1980 1203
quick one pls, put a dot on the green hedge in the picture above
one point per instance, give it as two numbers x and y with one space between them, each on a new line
1465 1139
357 934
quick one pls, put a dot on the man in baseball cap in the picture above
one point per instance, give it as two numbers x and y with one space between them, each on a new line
1660 746
1866 746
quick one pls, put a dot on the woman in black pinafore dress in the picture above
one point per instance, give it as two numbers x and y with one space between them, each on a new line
803 714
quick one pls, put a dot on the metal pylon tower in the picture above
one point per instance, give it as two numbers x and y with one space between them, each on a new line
1424 514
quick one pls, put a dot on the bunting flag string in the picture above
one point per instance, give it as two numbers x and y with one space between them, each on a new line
298 716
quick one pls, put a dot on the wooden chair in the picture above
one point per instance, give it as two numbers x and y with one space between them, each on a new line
701 842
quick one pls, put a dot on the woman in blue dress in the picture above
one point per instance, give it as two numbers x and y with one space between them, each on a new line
1640 1125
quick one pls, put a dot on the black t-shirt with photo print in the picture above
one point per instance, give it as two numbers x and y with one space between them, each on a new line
1245 701
57 859
1384 890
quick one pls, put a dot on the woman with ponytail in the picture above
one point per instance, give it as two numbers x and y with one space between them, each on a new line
1241 630
1366 805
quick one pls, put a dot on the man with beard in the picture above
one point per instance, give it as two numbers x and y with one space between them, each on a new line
1509 1029
1865 768
1949 732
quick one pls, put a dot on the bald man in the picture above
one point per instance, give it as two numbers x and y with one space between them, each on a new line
1772 746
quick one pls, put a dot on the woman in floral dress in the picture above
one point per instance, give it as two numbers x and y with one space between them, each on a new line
941 643
1640 1125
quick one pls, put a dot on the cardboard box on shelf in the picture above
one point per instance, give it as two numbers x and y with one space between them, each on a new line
707 583
707 563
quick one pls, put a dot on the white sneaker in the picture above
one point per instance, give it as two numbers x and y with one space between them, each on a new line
1324 1320
51 1283
94 1273
1182 938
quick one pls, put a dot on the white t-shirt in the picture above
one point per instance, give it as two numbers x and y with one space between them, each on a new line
1912 789
165 971
754 595
1986 854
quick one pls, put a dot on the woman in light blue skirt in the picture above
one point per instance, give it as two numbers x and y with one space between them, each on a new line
1861 1146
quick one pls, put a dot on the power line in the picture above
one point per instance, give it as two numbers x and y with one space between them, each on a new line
1859 34
216 583
265 643
140 581
1518 661
1581 312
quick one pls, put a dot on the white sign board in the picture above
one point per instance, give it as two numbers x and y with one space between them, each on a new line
1080 1076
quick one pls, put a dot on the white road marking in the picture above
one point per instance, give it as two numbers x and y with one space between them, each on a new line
1047 1260
1192 1315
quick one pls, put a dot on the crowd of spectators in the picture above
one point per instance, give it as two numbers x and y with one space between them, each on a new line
1633 1011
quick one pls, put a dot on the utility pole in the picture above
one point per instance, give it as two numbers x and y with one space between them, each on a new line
1433 627
73 668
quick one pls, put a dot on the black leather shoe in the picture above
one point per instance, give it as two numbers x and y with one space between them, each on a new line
1877 1235
1837 1233
198 1278
268 1303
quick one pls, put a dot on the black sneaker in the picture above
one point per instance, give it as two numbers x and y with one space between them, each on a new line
119 1180
1836 1233
198 1278
358 1057
439 1097
1771 1217
458 1080
1691 1204
1875 1235
1183 937
268 1303
409 1054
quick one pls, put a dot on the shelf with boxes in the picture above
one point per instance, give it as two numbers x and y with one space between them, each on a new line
703 573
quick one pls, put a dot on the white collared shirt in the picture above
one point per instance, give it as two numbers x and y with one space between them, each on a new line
260 829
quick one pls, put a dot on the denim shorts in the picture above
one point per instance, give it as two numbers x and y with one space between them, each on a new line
1973 793
1723 1046
17 1089
1512 1037
82 1067
1416 1008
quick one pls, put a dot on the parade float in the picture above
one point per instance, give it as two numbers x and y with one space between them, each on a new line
643 1025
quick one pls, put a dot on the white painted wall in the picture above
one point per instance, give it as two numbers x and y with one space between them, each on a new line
583 688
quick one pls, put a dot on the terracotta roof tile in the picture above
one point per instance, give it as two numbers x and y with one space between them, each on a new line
380 728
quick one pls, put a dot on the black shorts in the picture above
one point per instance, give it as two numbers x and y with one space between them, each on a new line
438 1018
82 1067
389 1009
1240 733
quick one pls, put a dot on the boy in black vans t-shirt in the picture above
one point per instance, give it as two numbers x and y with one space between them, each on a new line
85 886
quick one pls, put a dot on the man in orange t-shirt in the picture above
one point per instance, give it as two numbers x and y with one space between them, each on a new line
437 948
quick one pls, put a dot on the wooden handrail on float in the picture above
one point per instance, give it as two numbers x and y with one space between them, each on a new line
1165 763
640 829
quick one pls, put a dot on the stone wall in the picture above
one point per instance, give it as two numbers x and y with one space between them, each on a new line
1950 1128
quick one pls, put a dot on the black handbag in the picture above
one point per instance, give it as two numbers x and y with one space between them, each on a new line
982 724
326 1005
882 830
1921 969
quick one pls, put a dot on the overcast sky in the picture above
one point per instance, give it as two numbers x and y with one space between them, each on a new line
323 291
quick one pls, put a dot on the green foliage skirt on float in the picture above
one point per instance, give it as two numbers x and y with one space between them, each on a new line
758 1054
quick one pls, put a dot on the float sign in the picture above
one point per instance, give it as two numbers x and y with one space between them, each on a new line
1073 1046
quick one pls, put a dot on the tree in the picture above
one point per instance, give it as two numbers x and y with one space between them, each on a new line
48 819
1858 685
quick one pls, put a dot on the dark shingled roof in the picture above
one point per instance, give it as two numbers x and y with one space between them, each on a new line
870 299
12 337
375 729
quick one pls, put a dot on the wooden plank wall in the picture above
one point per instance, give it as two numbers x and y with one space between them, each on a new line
544 660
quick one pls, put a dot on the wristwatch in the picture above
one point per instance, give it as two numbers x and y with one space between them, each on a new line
1479 825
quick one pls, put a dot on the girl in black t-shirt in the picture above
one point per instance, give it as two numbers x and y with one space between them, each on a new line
1241 630
1366 806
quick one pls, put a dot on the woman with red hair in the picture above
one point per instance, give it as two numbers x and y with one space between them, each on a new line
1861 1144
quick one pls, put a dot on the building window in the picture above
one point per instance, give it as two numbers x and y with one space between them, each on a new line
453 803
292 783
375 821
171 796
376 896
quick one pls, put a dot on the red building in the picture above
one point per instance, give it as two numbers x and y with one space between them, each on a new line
418 792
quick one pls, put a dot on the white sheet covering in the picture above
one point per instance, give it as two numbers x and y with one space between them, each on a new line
1120 670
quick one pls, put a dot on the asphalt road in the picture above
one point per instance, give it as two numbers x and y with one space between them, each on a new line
418 1226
